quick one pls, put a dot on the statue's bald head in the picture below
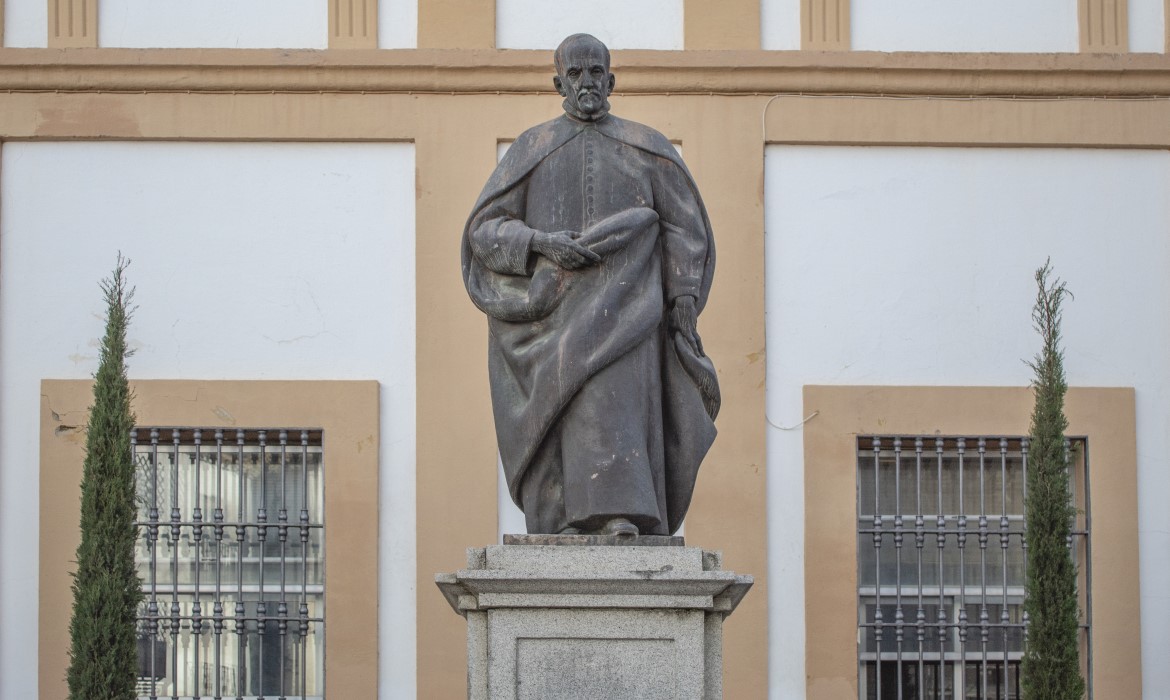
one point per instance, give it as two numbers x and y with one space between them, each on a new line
574 41
583 76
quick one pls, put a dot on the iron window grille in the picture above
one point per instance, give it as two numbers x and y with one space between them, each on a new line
231 555
941 565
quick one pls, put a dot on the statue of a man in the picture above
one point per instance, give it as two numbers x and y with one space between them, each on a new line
590 251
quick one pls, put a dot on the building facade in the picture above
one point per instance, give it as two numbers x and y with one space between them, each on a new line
290 179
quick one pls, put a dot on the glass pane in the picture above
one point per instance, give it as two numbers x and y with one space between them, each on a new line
958 586
237 660
234 564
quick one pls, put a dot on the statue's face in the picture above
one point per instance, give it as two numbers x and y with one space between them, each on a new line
584 78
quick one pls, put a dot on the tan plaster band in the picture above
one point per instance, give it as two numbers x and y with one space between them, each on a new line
639 72
1106 416
979 122
347 411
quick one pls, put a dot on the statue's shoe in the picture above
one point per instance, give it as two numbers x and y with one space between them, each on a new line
620 527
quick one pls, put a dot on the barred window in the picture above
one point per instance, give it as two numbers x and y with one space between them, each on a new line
231 555
941 563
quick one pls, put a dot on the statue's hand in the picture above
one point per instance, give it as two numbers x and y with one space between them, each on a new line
560 247
684 318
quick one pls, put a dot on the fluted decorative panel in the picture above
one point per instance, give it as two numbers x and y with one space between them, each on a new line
1104 26
824 25
72 23
353 24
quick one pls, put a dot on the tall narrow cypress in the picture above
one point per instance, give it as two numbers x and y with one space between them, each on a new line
103 654
1051 668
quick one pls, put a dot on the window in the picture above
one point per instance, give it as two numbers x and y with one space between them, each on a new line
231 556
941 543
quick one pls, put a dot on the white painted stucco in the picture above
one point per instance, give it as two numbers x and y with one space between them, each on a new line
397 24
780 24
621 24
1147 26
299 24
962 25
251 261
913 266
26 23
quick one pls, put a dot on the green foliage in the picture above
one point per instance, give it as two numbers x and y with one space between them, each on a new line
106 589
1051 669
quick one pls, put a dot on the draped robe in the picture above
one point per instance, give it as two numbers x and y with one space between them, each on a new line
601 410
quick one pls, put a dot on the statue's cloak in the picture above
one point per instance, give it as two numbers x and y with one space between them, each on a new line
551 330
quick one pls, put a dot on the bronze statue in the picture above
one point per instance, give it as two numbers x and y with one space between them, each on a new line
590 251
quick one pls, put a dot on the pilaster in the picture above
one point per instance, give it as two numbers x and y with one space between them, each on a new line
72 24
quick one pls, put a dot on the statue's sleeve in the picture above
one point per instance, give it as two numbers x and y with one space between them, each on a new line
684 231
500 240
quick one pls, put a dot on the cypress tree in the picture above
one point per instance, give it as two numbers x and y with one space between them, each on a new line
1051 669
103 653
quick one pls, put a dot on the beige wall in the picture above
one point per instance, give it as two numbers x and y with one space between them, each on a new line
449 104
842 413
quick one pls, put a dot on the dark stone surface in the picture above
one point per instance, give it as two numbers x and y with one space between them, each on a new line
591 253
591 540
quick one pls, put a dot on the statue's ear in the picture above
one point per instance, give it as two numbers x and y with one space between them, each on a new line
559 85
612 82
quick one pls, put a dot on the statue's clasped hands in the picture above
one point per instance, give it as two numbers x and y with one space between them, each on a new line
559 247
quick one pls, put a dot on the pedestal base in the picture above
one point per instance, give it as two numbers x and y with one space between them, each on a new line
562 620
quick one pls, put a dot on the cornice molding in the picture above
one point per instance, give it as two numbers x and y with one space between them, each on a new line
639 72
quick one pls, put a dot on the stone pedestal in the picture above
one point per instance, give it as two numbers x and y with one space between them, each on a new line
576 617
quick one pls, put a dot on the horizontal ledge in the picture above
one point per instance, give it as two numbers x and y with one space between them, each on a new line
485 601
477 71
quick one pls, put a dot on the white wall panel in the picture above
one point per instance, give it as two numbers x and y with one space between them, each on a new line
780 24
962 25
254 24
913 266
26 23
621 24
1147 26
302 254
397 24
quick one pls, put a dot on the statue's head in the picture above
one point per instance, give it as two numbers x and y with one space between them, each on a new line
583 76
